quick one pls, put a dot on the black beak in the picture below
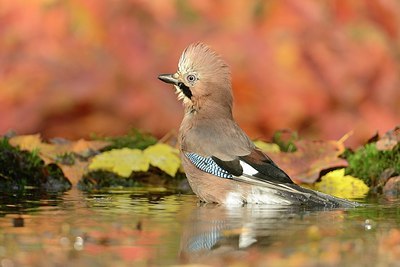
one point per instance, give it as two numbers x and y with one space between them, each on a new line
168 78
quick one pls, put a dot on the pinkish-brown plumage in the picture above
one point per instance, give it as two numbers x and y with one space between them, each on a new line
221 162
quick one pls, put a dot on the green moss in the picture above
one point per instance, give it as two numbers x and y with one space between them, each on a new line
96 180
285 140
19 169
66 158
134 139
100 180
368 163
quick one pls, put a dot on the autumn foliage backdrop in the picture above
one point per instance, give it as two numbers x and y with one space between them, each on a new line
70 68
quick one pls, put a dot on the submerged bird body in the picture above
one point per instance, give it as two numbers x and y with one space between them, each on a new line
220 161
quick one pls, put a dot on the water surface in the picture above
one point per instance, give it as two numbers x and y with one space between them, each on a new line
142 227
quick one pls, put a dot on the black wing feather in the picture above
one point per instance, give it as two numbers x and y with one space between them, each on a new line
233 166
267 170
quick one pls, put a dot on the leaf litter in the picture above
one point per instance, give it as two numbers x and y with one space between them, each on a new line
308 163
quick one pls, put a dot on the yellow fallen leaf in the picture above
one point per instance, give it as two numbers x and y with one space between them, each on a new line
124 161
121 161
340 185
163 157
267 147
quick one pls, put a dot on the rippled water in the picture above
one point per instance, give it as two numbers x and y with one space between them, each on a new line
158 228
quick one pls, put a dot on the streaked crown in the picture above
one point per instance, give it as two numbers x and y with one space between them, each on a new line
201 59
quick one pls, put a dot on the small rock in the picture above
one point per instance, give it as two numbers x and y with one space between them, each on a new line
391 190
389 140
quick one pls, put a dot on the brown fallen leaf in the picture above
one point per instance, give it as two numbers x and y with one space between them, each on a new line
74 172
50 152
82 146
311 157
28 142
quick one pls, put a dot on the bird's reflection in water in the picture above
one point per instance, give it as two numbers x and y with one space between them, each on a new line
215 230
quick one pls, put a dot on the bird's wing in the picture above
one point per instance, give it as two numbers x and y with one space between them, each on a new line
264 175
261 166
255 166
225 143
221 138
259 170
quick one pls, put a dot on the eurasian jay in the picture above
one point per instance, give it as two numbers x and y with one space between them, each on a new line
220 161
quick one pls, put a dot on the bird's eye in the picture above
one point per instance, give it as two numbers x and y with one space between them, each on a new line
191 78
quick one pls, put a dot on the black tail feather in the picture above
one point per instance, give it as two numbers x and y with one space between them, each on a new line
314 198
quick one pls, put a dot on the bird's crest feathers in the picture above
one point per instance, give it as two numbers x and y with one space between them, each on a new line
201 58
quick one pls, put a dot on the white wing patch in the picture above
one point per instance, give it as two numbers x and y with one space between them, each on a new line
247 169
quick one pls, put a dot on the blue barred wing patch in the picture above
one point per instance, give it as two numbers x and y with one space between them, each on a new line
207 164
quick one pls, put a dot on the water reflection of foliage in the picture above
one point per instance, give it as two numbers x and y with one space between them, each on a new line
29 200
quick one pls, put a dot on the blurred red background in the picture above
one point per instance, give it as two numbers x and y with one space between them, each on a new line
76 67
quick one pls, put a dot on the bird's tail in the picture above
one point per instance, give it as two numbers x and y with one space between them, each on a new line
314 198
297 195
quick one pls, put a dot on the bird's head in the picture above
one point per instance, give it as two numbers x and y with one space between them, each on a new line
203 79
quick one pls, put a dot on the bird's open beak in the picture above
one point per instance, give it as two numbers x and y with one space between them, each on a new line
168 78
